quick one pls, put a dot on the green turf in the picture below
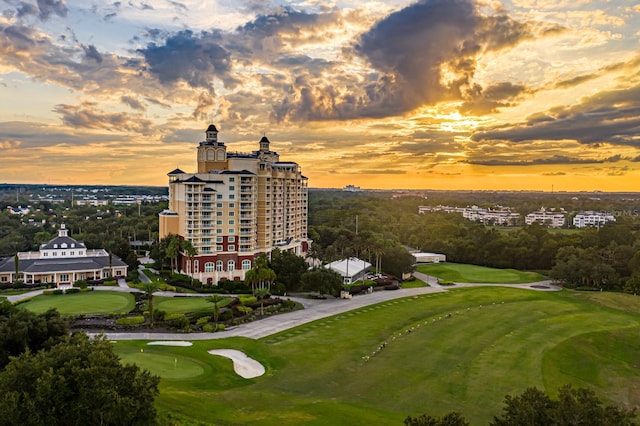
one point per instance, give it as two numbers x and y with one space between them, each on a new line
186 304
464 273
95 302
496 341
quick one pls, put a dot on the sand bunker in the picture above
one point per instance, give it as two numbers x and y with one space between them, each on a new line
170 343
244 366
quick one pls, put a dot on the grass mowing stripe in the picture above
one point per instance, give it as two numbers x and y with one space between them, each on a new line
496 341
95 302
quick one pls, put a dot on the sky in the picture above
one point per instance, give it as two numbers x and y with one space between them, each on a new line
388 94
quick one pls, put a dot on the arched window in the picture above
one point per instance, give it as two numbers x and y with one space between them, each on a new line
219 265
220 155
246 265
196 266
209 267
211 154
231 265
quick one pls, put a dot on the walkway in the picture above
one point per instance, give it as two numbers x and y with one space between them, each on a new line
314 309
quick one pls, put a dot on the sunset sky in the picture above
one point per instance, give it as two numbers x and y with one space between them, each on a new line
434 94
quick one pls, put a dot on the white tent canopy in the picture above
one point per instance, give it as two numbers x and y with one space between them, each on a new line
351 269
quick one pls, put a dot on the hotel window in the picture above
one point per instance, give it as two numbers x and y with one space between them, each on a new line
45 254
3 279
232 222
231 239
195 266
218 231
218 213
219 265
232 179
209 267
72 253
218 239
246 265
64 277
218 196
218 222
231 265
232 205
232 188
232 213
219 248
219 205
232 230
232 247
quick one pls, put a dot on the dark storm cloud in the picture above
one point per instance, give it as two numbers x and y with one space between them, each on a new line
556 159
46 8
26 9
195 59
92 53
89 117
422 54
607 117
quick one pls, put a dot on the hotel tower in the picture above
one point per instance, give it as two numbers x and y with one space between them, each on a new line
235 208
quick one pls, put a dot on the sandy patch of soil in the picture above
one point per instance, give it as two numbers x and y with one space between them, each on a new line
170 343
244 366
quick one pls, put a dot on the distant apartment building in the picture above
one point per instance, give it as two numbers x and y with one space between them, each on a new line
61 261
498 216
351 188
591 218
552 219
236 207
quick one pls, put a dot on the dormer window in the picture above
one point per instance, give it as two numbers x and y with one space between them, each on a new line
73 245
55 246
63 245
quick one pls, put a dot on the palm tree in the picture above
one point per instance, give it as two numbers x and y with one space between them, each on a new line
173 248
215 299
251 278
149 288
261 293
191 252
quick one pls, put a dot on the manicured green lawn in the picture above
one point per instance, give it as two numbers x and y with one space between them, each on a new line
463 273
461 350
186 304
94 302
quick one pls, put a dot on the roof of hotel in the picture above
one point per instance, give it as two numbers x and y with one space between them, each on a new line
175 172
211 128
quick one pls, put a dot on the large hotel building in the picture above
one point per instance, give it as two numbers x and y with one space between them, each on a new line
235 208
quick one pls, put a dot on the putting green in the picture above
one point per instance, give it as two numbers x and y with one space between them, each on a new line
167 366
94 302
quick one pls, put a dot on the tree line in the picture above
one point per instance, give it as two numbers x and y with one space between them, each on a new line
607 257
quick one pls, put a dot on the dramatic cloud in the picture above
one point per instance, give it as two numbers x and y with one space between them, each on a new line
87 116
608 117
423 54
556 159
190 58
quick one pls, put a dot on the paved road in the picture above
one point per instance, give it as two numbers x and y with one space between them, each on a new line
313 309
258 329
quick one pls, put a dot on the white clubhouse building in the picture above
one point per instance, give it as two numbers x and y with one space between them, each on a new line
61 261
